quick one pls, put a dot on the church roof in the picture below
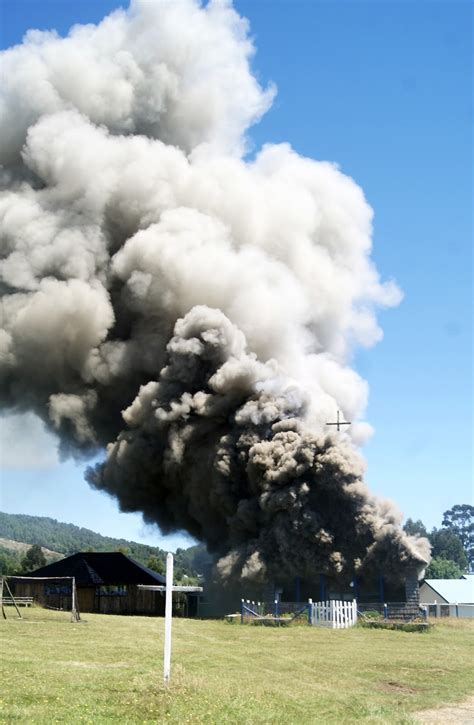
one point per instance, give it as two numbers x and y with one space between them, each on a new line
92 568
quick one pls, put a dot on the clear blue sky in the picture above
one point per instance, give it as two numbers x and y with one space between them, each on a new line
383 89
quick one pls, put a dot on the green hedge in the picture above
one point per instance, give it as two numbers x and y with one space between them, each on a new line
402 626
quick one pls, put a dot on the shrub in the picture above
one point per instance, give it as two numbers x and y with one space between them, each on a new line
371 615
413 626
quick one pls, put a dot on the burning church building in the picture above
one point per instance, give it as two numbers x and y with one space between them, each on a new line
193 310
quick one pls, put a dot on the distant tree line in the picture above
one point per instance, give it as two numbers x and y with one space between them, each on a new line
452 545
67 539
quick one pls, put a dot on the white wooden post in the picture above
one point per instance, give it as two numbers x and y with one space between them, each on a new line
73 600
168 616
1 598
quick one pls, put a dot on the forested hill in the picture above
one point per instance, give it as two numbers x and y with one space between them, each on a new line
66 538
69 539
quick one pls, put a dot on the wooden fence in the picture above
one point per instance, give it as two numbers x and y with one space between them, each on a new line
448 610
333 614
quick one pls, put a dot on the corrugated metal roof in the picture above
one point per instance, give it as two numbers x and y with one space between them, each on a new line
460 591
92 568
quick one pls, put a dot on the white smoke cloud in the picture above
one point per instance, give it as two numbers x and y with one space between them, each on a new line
284 235
169 70
26 444
127 200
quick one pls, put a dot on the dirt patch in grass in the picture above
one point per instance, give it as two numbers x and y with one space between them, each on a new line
460 714
398 687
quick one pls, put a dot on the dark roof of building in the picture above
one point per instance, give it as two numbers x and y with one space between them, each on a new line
91 568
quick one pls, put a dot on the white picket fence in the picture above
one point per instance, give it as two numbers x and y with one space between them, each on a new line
334 614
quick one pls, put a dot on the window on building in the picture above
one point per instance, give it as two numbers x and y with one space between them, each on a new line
112 590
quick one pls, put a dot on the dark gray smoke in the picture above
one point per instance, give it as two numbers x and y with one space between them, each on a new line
218 446
161 290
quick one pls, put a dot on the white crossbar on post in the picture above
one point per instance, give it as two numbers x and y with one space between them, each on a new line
168 588
162 588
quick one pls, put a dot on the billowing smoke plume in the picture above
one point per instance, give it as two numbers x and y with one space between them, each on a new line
162 290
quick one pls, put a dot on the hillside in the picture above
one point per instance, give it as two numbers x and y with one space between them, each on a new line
66 539
18 547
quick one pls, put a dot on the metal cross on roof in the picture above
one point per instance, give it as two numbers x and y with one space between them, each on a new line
339 422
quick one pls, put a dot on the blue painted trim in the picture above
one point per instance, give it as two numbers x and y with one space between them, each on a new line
381 588
356 587
322 587
298 589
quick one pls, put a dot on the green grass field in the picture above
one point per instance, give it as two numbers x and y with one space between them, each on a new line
109 669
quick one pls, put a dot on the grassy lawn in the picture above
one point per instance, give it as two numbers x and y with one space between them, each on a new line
108 669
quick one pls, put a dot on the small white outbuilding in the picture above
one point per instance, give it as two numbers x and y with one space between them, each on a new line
458 592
